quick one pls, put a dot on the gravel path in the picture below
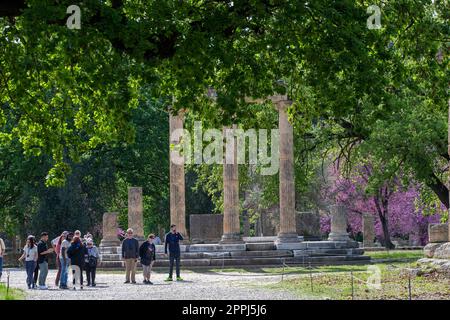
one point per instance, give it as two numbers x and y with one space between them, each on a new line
196 285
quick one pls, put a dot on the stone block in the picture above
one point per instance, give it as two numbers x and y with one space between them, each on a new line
233 247
290 245
205 227
261 246
338 224
260 239
308 223
320 244
443 251
430 248
438 232
109 230
368 230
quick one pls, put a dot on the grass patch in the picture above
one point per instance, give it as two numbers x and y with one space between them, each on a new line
338 285
13 294
396 254
289 270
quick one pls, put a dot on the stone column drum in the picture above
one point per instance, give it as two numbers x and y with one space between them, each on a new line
338 224
231 223
177 181
136 212
368 230
288 226
110 226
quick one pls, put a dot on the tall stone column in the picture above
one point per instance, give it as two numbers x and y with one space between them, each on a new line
338 224
288 230
177 182
368 230
231 224
109 230
136 212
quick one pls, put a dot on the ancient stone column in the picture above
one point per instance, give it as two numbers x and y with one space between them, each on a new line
136 212
177 182
109 232
338 224
288 227
368 230
231 224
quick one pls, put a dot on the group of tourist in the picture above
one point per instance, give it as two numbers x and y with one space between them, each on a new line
71 250
80 253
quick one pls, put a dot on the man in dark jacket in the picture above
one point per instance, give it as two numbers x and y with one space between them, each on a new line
130 253
173 239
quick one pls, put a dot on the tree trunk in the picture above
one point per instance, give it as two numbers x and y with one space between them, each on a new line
440 189
387 236
383 213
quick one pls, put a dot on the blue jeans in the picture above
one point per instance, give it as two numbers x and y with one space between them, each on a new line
64 272
29 267
1 267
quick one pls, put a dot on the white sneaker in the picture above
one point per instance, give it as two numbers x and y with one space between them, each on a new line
43 288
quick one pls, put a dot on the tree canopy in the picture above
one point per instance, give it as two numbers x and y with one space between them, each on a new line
65 93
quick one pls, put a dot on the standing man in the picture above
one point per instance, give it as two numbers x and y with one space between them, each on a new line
43 251
2 252
173 239
130 253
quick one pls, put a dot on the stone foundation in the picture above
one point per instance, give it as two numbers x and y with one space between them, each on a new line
257 251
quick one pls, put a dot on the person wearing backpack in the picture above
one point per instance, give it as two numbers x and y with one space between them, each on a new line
147 253
76 254
90 262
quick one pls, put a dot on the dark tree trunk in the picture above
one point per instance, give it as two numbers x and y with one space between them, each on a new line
387 236
383 213
440 189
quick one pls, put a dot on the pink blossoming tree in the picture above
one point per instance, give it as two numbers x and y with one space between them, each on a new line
396 210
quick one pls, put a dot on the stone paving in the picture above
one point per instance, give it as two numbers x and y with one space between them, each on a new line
196 285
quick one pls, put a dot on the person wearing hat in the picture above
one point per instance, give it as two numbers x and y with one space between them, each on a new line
30 254
91 259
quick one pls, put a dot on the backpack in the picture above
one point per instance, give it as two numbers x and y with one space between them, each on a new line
92 262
